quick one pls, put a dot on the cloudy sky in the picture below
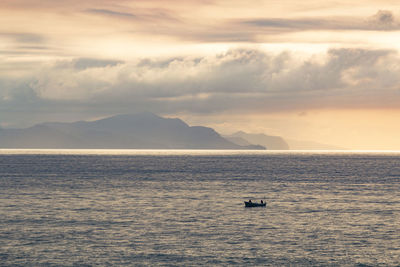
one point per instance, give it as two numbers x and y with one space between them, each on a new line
325 71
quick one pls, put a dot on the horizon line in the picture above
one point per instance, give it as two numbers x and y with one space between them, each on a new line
78 151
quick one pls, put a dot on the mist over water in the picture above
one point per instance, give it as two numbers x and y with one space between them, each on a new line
186 208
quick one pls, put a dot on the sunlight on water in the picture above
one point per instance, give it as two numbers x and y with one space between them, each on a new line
155 209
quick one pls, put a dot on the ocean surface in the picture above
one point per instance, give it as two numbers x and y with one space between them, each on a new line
185 208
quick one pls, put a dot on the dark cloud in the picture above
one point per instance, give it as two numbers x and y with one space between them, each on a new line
382 20
25 44
292 24
384 17
164 63
266 29
108 12
86 63
79 64
241 80
24 38
143 15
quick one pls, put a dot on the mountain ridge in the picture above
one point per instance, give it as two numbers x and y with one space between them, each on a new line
268 141
125 131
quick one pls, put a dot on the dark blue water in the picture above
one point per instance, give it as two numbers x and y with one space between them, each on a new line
187 209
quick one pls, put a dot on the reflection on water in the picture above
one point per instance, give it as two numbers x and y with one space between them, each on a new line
187 209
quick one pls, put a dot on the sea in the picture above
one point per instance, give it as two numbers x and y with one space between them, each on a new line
186 208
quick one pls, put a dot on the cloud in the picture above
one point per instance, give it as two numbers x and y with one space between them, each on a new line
382 20
263 29
86 63
108 12
141 15
384 17
24 37
74 24
238 81
25 44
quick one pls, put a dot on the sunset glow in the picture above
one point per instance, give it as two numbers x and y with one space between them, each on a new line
326 71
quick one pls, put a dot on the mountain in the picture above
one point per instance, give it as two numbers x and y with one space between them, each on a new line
237 140
268 141
138 131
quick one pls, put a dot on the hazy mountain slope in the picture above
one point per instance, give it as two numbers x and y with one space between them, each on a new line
143 131
270 142
41 135
237 140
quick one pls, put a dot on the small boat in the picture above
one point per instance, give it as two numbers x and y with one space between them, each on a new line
249 204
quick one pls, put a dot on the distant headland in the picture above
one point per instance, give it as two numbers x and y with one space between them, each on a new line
142 131
133 131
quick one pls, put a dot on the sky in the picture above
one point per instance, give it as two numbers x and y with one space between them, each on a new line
324 71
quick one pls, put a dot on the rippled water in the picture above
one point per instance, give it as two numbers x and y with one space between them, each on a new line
187 209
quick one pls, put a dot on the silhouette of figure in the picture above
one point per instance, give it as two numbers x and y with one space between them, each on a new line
249 200
262 202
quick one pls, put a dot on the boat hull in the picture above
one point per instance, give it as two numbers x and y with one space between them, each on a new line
251 204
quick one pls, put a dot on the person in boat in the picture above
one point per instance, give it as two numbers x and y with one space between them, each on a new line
262 201
249 200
